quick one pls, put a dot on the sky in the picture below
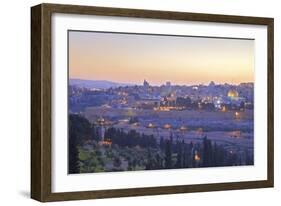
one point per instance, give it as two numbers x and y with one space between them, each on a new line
182 60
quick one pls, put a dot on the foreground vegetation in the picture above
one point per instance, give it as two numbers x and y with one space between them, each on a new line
131 151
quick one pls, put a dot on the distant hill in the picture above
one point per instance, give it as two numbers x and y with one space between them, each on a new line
97 84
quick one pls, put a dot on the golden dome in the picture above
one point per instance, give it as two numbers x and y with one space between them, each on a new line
232 93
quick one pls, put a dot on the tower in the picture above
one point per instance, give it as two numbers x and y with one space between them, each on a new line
145 84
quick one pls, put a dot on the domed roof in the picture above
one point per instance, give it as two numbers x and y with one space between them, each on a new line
232 93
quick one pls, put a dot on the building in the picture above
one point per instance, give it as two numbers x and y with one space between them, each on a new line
234 98
146 84
232 94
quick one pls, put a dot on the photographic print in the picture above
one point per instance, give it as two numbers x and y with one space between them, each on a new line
131 102
152 102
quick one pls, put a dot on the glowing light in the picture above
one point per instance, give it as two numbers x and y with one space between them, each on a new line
167 126
223 109
162 108
105 142
232 93
183 128
150 125
136 124
197 157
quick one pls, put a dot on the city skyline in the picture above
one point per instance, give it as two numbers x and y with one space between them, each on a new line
163 83
131 58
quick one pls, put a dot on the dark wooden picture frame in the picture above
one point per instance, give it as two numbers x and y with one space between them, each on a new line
41 116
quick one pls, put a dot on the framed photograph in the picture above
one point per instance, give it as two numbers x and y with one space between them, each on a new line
130 102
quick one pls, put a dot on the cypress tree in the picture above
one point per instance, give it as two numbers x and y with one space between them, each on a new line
73 159
168 155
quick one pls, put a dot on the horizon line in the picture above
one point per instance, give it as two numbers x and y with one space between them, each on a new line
164 82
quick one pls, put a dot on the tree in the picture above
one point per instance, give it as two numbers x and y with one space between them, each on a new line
185 156
117 162
168 155
159 161
179 163
80 130
73 159
130 139
215 155
207 152
149 164
81 127
162 144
